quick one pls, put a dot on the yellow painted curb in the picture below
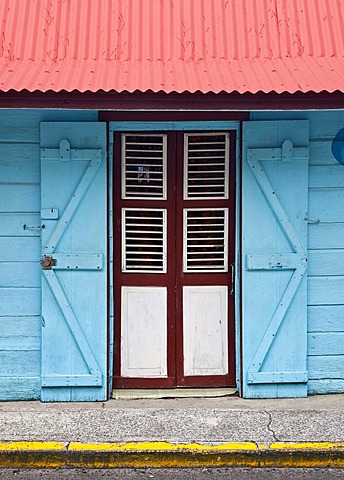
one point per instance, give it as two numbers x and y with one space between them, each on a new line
303 454
162 446
306 446
164 454
33 446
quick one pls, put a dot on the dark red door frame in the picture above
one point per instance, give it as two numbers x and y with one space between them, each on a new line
175 320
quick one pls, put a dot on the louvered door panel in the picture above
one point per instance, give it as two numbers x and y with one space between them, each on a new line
205 240
144 240
144 166
206 164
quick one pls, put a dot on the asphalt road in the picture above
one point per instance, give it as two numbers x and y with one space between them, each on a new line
176 474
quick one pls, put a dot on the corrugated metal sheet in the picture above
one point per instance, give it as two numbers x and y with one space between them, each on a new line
172 45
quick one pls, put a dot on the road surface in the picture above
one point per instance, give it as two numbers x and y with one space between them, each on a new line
175 474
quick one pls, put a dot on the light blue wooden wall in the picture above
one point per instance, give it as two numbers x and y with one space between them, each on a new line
20 274
325 249
20 307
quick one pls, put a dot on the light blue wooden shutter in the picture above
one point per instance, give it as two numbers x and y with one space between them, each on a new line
74 280
274 258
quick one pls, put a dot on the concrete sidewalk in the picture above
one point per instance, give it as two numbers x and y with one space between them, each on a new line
174 432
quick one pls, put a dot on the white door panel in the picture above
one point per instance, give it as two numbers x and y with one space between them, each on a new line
205 330
144 332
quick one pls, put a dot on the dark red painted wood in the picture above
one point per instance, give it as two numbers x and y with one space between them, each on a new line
175 279
206 381
146 279
172 116
173 101
190 279
121 382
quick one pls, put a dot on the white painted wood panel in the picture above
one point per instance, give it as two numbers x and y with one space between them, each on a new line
205 333
144 332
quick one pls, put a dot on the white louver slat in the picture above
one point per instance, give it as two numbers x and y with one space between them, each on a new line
206 164
206 240
144 240
144 166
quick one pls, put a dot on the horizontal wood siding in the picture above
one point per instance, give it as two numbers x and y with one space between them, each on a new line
20 295
20 249
326 251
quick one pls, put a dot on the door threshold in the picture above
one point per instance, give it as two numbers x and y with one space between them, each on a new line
140 393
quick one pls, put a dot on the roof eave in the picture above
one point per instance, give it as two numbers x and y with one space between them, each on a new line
222 101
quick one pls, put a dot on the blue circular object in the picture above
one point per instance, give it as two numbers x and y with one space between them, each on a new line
337 147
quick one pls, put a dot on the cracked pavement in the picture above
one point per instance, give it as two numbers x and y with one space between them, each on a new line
205 421
269 427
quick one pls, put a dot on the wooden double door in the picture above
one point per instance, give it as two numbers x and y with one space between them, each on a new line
174 214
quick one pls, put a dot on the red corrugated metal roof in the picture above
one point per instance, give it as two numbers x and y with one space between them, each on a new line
172 45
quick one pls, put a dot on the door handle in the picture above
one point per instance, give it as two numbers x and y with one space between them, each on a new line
232 278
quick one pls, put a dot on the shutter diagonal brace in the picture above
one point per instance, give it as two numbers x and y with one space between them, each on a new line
271 198
256 262
94 378
62 224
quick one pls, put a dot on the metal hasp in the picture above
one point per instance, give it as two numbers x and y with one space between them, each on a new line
48 262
